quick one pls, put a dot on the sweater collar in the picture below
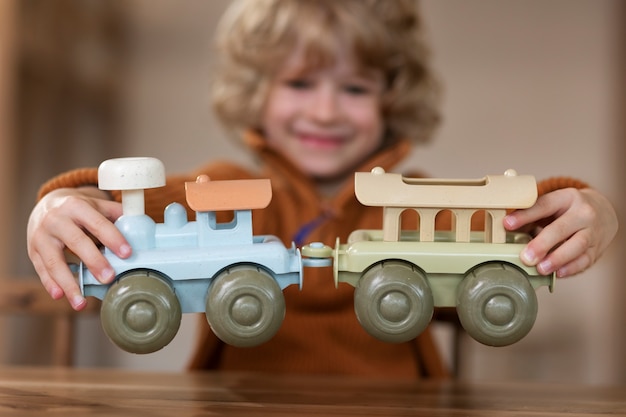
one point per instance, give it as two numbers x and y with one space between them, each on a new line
284 174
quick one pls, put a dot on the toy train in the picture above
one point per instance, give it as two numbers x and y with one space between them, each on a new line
236 278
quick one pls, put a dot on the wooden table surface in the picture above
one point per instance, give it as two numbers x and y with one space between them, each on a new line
79 392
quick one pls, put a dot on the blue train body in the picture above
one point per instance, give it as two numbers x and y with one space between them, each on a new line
191 254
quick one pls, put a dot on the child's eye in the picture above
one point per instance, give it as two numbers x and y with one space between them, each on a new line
356 89
298 83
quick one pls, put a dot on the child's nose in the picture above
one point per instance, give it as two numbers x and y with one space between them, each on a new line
324 107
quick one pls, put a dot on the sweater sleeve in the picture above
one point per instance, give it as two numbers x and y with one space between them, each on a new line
72 179
558 183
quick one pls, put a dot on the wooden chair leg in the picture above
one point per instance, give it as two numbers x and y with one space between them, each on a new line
63 348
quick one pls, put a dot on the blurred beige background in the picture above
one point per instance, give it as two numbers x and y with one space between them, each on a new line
535 85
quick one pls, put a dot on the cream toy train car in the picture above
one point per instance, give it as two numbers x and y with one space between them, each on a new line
401 276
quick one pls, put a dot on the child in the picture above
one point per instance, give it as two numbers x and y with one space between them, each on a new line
318 90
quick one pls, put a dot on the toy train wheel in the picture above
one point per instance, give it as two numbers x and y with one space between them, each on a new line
245 306
140 312
393 301
496 304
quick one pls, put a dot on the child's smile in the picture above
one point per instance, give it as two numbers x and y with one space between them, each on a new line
321 143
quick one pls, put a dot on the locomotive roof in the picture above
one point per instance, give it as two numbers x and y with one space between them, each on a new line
207 195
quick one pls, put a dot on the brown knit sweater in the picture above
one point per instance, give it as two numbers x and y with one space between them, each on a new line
320 333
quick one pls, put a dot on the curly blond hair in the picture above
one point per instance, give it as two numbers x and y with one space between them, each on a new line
255 37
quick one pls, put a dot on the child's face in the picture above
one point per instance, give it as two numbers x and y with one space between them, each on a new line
325 121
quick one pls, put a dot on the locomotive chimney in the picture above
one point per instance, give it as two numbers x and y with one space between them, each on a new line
131 176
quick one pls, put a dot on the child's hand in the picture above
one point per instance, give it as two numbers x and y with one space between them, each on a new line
574 228
72 218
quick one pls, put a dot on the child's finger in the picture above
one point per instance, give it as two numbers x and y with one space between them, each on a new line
546 206
579 264
57 271
55 291
548 238
569 258
75 239
98 222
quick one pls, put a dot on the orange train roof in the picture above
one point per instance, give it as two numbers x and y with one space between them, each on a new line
207 195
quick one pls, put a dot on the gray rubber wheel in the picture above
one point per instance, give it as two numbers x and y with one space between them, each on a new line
393 302
245 306
496 304
140 312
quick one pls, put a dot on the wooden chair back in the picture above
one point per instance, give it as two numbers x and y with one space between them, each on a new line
27 297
